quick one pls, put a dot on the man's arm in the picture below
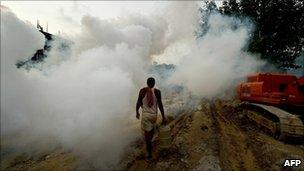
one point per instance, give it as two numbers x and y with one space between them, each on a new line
139 103
160 104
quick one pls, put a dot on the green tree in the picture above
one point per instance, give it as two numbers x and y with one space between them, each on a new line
205 11
278 36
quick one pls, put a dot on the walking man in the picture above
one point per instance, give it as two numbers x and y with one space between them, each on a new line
149 99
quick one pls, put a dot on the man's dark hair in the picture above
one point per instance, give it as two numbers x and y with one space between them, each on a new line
151 82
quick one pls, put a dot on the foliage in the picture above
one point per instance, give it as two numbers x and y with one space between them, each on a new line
279 30
205 12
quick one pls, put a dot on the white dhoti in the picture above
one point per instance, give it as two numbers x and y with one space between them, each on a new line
148 121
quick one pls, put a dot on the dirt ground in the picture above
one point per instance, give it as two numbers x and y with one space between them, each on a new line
214 136
218 136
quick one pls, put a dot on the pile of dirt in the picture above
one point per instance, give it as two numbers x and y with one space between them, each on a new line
56 160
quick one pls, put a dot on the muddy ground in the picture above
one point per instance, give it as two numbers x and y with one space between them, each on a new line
214 136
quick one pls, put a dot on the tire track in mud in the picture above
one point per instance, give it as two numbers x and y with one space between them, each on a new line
214 128
269 152
253 148
234 151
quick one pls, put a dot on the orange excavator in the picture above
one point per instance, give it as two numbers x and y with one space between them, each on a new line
275 102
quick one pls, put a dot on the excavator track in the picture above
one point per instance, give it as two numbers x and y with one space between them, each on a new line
280 123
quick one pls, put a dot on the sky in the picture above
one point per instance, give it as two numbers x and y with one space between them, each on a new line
65 16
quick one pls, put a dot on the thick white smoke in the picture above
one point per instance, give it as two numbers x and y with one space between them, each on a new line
85 103
214 62
82 103
18 41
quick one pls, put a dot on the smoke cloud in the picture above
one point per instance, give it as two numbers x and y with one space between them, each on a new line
214 62
82 103
85 102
